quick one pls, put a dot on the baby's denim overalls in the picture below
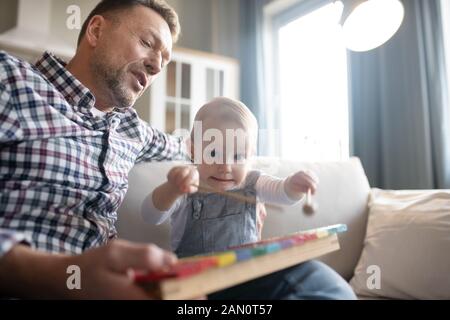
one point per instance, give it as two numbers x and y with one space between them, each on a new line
216 222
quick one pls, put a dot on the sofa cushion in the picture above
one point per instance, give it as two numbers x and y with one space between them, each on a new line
406 250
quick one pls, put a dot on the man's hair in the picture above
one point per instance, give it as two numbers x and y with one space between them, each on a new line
159 6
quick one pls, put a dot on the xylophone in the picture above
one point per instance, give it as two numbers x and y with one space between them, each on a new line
200 275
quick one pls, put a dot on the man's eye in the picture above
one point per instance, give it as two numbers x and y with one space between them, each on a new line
146 44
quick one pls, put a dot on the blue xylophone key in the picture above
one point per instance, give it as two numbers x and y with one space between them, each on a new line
287 243
244 254
337 228
273 247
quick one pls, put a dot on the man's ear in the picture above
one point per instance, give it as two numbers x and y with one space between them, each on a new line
94 30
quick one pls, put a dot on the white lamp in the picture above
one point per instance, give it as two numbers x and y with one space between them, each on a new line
367 24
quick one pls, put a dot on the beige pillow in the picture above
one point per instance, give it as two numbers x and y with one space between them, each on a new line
406 252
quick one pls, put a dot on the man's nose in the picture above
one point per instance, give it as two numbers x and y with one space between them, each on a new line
153 64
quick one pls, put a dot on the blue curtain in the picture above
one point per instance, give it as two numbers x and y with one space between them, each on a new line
400 111
252 64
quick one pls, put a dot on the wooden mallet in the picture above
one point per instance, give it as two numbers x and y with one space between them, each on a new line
309 207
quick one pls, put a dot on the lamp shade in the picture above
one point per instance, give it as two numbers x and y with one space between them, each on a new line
368 24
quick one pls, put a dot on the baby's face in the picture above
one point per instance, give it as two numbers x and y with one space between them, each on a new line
224 166
223 176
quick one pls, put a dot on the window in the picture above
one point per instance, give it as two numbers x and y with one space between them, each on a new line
310 83
178 100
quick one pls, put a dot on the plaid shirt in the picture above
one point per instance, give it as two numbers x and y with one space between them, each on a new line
64 171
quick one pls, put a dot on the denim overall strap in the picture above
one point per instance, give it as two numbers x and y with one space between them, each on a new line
215 222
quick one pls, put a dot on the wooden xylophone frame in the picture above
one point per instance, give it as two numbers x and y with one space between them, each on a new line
200 275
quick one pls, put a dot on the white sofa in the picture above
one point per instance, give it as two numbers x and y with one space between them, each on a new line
407 230
342 198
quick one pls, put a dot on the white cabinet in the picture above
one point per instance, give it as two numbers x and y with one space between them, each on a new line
191 79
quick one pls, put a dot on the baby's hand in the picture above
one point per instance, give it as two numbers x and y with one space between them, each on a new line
183 179
299 183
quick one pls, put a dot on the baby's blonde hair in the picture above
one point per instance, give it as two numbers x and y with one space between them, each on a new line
227 109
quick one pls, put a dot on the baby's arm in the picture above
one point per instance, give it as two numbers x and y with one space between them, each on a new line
180 180
163 201
286 191
297 184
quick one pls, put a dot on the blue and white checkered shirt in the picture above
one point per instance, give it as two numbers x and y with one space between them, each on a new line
64 171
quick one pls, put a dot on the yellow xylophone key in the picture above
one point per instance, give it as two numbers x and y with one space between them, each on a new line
322 233
226 258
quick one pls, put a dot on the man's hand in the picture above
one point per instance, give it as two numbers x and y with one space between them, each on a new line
299 183
108 271
183 179
105 272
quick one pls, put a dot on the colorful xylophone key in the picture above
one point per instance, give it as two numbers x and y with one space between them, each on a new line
194 265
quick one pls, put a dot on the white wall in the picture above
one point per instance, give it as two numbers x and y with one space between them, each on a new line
196 22
59 17
207 25
225 40
8 13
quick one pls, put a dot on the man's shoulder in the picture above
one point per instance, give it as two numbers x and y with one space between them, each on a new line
12 68
15 72
7 59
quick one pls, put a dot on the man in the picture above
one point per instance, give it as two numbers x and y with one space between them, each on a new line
68 139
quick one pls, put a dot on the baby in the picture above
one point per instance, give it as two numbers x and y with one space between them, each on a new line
204 222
